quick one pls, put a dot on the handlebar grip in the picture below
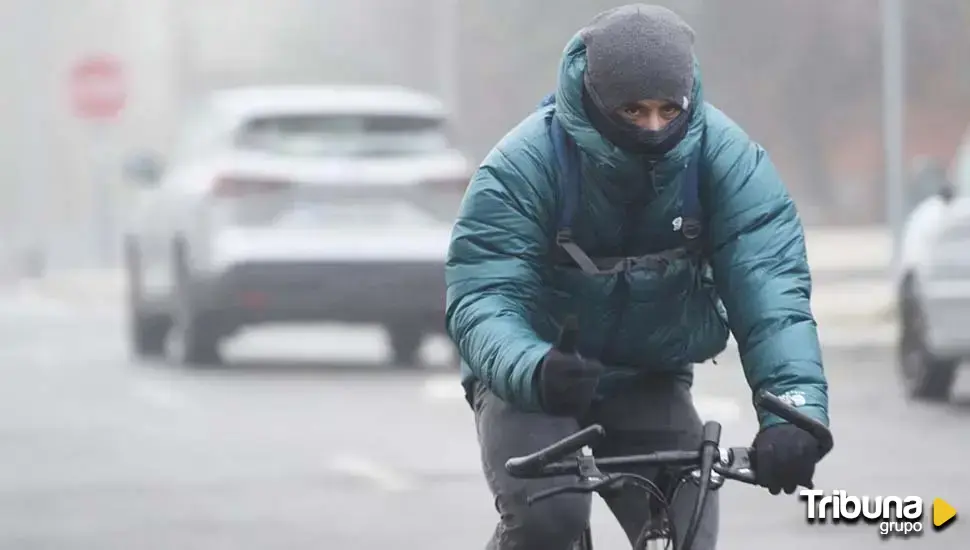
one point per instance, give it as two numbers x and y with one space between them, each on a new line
711 434
524 466
777 406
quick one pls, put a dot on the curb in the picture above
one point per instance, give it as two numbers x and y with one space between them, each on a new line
845 302
840 336
865 300
849 248
87 288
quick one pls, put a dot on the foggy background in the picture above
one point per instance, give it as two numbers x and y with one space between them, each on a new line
803 78
99 450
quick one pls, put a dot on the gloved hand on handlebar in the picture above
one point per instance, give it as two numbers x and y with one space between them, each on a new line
784 458
567 383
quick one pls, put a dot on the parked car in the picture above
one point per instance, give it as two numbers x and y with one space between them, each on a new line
294 204
933 281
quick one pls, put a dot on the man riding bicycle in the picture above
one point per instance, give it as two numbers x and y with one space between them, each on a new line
629 204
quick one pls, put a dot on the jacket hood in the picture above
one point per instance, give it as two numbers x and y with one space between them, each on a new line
603 154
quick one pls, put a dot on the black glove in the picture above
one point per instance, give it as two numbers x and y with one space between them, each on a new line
567 383
784 458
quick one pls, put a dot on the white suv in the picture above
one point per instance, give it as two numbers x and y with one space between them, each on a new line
294 204
933 283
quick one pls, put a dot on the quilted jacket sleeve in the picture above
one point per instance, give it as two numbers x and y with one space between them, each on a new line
761 270
493 271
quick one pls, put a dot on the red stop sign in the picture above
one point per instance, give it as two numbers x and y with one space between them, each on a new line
98 88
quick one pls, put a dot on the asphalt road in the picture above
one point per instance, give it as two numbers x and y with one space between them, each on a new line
296 447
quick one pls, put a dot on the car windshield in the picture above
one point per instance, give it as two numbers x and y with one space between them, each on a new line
330 135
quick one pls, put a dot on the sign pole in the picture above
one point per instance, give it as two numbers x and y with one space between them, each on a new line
99 96
104 208
893 111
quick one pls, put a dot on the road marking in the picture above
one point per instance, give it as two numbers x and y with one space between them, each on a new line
159 395
710 407
360 467
443 387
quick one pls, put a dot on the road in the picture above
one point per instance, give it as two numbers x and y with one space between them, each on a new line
103 453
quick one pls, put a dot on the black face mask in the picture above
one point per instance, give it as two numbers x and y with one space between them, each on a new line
630 137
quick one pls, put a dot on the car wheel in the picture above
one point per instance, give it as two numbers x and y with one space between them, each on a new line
925 376
147 331
405 345
195 340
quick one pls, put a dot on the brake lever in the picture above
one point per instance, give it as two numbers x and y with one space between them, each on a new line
737 466
740 467
715 483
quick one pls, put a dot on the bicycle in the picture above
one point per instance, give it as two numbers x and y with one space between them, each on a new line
708 467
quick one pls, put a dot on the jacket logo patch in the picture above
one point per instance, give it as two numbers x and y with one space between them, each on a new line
794 398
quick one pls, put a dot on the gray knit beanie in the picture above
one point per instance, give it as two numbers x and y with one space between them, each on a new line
638 52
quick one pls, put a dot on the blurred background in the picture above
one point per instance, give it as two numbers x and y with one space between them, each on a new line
116 113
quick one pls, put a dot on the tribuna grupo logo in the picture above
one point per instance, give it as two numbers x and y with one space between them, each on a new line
894 515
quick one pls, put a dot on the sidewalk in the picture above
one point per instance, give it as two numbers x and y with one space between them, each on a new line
868 298
854 301
841 249
79 287
847 304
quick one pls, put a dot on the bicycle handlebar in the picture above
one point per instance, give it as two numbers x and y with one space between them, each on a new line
533 464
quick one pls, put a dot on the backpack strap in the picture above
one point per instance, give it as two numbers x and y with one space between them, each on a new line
567 157
692 223
569 174
692 211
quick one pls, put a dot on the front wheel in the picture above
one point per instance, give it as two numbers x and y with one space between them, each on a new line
405 346
925 376
195 337
147 331
147 334
193 343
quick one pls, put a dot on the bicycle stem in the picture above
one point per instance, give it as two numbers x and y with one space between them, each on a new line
709 452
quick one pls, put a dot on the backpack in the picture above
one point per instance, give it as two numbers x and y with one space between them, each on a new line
691 220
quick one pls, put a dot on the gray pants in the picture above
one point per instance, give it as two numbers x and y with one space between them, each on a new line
657 415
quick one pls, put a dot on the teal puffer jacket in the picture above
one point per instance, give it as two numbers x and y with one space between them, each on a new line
505 299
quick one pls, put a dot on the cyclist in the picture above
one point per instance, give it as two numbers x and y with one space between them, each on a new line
526 254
